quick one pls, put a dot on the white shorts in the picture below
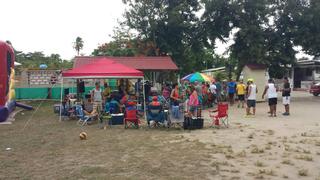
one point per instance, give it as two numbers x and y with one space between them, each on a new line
286 100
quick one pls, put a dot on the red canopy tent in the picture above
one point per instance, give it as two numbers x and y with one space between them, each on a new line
102 69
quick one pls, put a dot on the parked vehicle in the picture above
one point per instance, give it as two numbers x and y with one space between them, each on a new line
315 89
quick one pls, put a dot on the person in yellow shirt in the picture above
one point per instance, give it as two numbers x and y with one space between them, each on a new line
241 91
106 92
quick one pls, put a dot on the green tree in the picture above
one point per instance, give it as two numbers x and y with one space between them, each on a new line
169 28
306 16
264 31
123 43
78 45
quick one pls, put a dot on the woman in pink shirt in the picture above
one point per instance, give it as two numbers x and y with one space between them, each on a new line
193 101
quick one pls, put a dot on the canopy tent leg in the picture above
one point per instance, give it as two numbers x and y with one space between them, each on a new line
144 100
61 91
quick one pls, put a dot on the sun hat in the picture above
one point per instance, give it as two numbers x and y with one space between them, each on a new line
250 80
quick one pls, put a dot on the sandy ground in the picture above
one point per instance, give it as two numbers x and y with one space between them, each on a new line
41 147
268 147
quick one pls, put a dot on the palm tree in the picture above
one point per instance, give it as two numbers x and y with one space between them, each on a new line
78 45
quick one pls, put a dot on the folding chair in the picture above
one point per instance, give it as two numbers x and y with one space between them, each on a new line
131 118
221 115
155 113
83 119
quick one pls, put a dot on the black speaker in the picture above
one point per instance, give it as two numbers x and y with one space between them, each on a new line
81 87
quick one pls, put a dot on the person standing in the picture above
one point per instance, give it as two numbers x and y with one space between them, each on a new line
213 92
137 87
198 88
204 89
218 90
106 92
251 97
271 91
193 102
231 91
96 95
175 96
241 90
286 91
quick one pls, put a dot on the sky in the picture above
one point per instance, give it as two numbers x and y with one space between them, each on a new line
51 26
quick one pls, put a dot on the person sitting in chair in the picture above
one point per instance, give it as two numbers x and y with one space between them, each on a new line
155 101
114 105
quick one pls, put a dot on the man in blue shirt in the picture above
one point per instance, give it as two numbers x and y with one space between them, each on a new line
231 91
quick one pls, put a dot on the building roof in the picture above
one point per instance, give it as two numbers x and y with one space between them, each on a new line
103 68
256 66
308 62
152 63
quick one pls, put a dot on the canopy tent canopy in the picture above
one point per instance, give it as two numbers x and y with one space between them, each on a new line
104 68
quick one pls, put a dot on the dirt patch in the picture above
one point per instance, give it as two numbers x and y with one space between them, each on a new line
254 148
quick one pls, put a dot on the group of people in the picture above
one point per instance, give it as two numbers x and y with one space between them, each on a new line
197 94
100 98
192 95
248 93
209 94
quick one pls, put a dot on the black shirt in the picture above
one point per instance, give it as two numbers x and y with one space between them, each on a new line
286 92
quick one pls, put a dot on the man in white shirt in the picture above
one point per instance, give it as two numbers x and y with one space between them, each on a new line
213 91
96 96
213 88
251 97
271 91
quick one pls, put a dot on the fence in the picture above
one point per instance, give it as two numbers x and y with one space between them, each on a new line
42 93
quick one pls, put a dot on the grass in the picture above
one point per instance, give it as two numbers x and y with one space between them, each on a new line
303 172
49 149
268 147
259 164
287 162
269 172
44 148
241 154
251 135
256 150
304 157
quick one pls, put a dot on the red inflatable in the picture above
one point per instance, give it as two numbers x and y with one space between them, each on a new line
7 101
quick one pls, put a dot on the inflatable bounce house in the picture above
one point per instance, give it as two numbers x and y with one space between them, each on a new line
7 92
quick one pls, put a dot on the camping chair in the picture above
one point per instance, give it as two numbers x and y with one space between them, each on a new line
220 116
176 117
131 118
83 119
156 114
